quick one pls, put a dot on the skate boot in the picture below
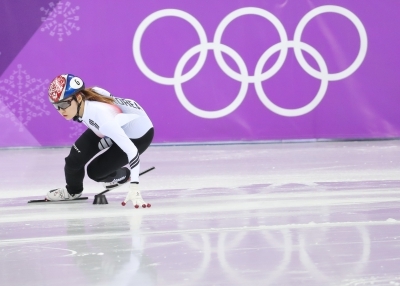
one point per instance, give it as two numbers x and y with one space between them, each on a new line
135 196
119 178
60 194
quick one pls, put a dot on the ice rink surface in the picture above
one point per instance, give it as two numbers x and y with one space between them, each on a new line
323 213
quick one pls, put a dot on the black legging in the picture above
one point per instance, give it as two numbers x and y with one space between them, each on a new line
85 148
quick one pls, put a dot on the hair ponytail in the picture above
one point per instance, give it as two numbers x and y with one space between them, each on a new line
89 94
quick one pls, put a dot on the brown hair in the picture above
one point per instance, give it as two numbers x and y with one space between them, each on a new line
89 94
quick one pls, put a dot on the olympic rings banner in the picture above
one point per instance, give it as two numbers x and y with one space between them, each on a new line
207 71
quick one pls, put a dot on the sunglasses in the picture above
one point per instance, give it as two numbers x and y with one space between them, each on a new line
62 104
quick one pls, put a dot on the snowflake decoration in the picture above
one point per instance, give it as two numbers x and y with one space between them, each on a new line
76 130
24 96
60 19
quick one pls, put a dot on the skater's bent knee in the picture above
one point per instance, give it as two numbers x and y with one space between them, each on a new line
93 173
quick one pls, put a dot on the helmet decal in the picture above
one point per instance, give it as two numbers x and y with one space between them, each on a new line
75 83
57 88
65 86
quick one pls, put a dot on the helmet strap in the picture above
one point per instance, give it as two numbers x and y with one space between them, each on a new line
76 117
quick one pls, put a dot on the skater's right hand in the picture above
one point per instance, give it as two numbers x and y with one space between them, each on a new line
135 196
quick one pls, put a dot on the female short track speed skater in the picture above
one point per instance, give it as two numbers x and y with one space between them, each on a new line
121 125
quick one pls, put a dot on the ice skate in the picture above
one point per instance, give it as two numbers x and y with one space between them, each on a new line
120 178
135 196
61 194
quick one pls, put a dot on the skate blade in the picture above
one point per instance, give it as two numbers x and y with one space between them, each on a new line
47 201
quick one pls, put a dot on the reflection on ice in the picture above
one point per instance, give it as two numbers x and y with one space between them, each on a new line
310 231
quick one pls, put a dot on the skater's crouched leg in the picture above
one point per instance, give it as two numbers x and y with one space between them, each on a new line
98 172
84 149
110 181
106 167
74 173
